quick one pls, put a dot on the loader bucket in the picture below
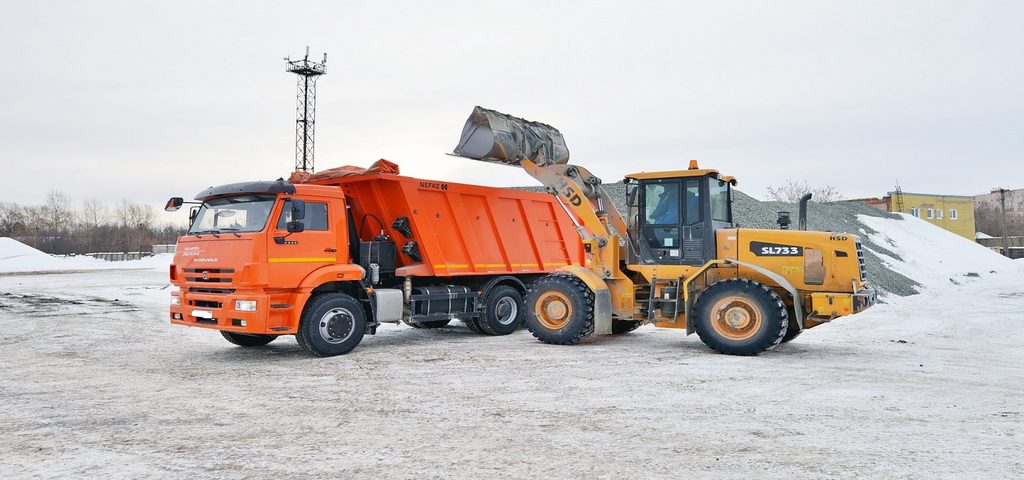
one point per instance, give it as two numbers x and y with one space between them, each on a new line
495 137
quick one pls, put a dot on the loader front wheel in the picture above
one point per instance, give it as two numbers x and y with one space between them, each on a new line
740 317
560 310
246 340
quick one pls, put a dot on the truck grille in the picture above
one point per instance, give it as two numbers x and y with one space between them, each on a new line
209 280
861 263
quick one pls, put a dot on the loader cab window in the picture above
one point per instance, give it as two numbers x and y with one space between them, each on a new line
672 221
719 195
316 216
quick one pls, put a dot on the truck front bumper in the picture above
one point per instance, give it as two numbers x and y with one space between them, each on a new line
218 312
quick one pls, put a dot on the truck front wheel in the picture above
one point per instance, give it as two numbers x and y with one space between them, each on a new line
333 324
245 340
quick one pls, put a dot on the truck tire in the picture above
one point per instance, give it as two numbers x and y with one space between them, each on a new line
332 324
502 311
246 340
625 326
472 325
431 324
740 317
560 310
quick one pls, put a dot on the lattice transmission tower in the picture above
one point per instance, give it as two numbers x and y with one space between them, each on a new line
305 110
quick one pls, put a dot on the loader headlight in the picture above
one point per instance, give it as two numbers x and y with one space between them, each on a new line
245 305
175 301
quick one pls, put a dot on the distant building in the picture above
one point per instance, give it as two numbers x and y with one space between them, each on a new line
989 216
951 212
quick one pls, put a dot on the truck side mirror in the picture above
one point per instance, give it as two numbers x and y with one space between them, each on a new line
295 226
298 209
174 204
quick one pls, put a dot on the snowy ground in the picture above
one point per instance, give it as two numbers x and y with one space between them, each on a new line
97 383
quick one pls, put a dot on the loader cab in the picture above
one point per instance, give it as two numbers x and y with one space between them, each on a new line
673 215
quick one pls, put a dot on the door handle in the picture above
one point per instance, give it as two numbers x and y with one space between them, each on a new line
330 250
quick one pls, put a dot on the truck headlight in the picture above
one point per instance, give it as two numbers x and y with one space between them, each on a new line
175 301
245 305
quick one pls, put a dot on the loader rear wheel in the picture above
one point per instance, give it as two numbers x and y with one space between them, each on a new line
560 310
625 326
332 324
740 317
792 330
246 340
502 311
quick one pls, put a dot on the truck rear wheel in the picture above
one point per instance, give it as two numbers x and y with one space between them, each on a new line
740 317
333 324
560 310
246 340
502 311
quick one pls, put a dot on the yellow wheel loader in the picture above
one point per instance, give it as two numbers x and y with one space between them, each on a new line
675 260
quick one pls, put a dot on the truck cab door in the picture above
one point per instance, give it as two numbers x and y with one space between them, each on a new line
291 256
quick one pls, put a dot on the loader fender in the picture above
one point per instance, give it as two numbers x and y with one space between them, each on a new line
602 297
782 282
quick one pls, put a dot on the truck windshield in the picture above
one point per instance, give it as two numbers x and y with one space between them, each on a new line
242 213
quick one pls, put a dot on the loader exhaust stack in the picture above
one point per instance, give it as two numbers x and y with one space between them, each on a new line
803 211
495 137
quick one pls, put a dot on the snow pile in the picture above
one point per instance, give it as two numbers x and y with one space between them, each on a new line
18 257
931 256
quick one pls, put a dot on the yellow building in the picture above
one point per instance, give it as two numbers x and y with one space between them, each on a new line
952 212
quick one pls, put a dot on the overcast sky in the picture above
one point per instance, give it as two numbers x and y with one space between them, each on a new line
145 100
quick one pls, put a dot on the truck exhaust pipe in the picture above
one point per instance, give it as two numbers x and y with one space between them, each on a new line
495 137
803 211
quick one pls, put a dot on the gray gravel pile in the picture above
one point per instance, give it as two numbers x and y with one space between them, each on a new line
749 212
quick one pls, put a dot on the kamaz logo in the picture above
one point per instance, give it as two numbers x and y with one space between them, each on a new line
434 185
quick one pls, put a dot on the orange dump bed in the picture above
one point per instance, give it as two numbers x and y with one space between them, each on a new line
462 229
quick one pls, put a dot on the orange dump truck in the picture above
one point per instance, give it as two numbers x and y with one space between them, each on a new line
331 256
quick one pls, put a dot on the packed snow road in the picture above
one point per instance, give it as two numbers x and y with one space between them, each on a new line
96 383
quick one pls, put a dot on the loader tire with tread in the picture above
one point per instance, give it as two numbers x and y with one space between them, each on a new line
332 324
247 340
792 331
560 309
740 317
502 311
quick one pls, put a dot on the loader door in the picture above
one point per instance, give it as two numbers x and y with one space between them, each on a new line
672 222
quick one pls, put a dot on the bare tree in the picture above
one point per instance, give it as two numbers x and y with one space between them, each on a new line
93 213
57 214
13 221
792 191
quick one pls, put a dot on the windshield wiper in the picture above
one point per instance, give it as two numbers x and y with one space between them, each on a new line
234 231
